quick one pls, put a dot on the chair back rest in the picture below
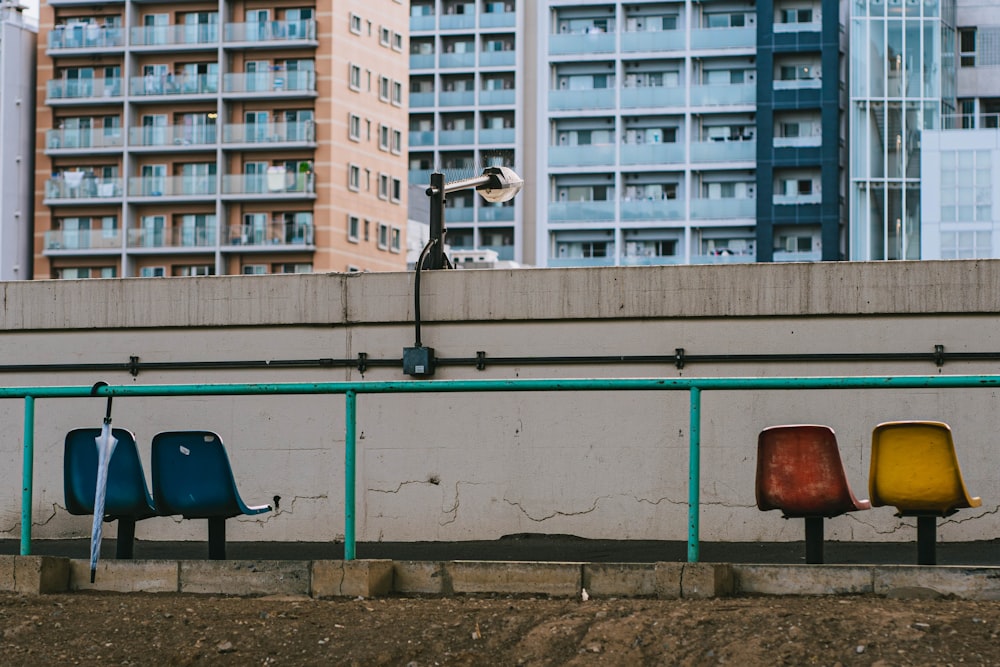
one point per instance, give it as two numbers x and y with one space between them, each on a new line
192 476
127 493
915 468
799 471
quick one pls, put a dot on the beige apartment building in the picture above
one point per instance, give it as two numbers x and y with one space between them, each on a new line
223 137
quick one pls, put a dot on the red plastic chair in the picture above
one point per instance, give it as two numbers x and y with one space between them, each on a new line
799 471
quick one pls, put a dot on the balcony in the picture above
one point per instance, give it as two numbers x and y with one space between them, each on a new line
457 98
198 188
88 91
269 237
741 94
456 137
581 156
457 60
798 84
425 22
504 135
578 100
421 138
271 84
69 187
663 40
180 237
651 97
498 20
651 260
567 262
173 136
488 213
805 256
422 100
271 135
278 184
724 38
652 209
497 58
458 21
723 151
798 142
91 38
652 153
797 200
581 211
88 140
59 240
419 176
723 209
271 34
205 36
812 26
458 214
496 97
422 60
169 86
722 257
581 43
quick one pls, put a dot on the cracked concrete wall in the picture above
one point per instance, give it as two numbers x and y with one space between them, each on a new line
479 466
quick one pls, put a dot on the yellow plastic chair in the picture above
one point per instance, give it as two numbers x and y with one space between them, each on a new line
915 469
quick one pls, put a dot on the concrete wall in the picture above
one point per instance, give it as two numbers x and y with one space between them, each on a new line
479 466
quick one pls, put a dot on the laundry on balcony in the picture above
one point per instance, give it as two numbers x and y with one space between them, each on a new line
276 179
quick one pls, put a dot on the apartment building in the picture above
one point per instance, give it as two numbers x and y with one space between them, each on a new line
647 132
220 137
17 122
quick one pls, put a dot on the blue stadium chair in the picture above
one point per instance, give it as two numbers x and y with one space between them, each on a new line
192 477
127 499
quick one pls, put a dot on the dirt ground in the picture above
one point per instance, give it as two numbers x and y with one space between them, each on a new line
139 629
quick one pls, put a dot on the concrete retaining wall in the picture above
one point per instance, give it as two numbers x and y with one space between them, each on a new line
480 466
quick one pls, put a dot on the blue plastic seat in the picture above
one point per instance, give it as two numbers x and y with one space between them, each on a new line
127 500
192 477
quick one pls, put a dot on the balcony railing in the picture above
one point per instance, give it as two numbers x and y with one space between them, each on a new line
496 97
270 235
652 153
497 58
723 151
489 135
83 239
458 213
598 98
271 31
561 262
795 200
663 40
177 237
454 60
581 211
422 60
68 186
423 99
797 84
652 209
743 94
172 186
174 35
651 260
652 96
581 43
457 98
723 209
419 176
803 256
270 133
303 81
94 137
724 38
581 156
723 257
83 89
172 86
458 21
91 36
496 214
812 26
423 22
498 20
172 135
798 142
274 183
454 137
421 138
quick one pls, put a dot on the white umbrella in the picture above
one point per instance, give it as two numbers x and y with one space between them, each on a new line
105 443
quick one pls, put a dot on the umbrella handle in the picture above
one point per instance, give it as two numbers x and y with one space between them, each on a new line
93 392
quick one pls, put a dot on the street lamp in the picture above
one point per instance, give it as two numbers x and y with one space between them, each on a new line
496 184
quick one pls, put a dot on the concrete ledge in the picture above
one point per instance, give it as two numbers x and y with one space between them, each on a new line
555 579
421 578
706 580
969 583
126 576
34 575
802 579
228 577
367 578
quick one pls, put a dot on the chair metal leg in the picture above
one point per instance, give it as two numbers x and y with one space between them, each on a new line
926 540
814 540
217 538
125 544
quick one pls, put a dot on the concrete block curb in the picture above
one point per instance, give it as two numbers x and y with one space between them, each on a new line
244 577
534 578
336 578
968 583
706 580
34 575
413 577
802 579
126 576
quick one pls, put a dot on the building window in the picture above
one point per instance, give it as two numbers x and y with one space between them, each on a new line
355 24
383 88
301 267
966 195
383 186
254 269
152 272
967 46
354 177
353 225
76 273
397 142
355 77
397 93
394 240
368 226
397 190
383 137
195 270
354 127
397 41
595 249
796 15
383 236
384 36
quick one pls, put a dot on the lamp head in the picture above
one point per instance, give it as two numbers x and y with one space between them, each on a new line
503 186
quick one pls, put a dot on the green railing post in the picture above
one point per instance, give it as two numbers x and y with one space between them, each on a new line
28 474
350 465
694 475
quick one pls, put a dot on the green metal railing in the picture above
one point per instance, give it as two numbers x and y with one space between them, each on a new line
350 390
